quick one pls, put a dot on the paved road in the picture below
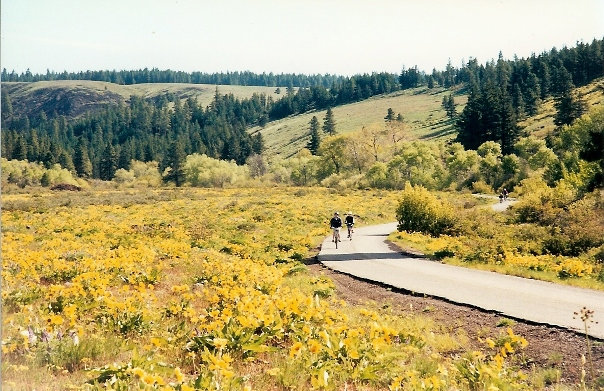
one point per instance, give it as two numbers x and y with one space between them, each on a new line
497 206
369 257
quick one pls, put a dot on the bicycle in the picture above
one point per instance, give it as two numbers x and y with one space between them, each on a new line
336 235
350 231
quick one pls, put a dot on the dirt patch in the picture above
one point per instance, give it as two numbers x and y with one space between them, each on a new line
549 347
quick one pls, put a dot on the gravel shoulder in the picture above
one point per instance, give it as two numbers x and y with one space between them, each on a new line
549 347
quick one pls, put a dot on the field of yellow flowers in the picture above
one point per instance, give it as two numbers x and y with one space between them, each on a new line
182 289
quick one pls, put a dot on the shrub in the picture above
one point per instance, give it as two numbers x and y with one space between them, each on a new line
204 171
420 211
481 187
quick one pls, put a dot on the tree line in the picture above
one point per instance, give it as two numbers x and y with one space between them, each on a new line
155 75
504 92
97 145
499 94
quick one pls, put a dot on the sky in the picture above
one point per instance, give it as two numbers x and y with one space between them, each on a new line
343 37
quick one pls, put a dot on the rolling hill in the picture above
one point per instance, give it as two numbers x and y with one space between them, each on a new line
421 110
424 117
74 98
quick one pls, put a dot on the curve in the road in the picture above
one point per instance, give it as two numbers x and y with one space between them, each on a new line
368 256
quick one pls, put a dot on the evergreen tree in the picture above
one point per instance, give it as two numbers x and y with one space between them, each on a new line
45 179
518 101
174 163
569 108
448 104
108 163
125 156
66 162
257 143
329 124
469 123
532 95
315 140
7 106
81 160
19 149
390 115
430 82
508 128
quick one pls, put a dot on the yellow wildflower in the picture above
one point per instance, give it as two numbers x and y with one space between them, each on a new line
295 349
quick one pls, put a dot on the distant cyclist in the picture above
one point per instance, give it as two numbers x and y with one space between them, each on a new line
335 224
349 221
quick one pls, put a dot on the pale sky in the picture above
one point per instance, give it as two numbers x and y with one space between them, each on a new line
343 37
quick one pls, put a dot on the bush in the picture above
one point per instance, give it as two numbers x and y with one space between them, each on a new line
204 171
420 211
481 187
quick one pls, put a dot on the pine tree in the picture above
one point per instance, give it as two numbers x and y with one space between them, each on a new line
448 104
19 149
7 106
508 128
329 124
108 163
175 161
469 123
81 160
532 94
569 108
66 162
315 140
390 115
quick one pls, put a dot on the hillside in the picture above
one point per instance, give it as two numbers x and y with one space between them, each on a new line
423 116
543 123
420 108
74 98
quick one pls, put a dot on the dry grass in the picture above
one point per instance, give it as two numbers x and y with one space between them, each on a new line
543 123
203 92
420 108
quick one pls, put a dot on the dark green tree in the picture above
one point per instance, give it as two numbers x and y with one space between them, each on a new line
315 139
66 161
7 106
174 163
81 160
329 124
390 115
108 163
568 109
19 149
448 104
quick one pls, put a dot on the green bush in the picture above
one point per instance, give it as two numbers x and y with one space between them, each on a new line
421 211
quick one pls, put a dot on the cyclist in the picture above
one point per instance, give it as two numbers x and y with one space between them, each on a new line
349 220
335 224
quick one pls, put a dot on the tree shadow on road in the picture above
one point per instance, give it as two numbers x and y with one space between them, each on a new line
359 256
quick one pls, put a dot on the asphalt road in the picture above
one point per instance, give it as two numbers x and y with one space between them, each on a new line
368 256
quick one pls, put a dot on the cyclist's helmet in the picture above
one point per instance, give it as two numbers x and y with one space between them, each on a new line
336 213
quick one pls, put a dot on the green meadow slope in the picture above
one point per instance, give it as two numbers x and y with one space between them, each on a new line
423 117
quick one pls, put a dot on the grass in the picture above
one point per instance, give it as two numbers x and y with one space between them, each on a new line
421 109
542 124
204 93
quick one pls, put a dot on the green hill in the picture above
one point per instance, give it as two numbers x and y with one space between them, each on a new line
421 109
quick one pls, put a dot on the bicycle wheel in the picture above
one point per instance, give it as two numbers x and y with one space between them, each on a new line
337 238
